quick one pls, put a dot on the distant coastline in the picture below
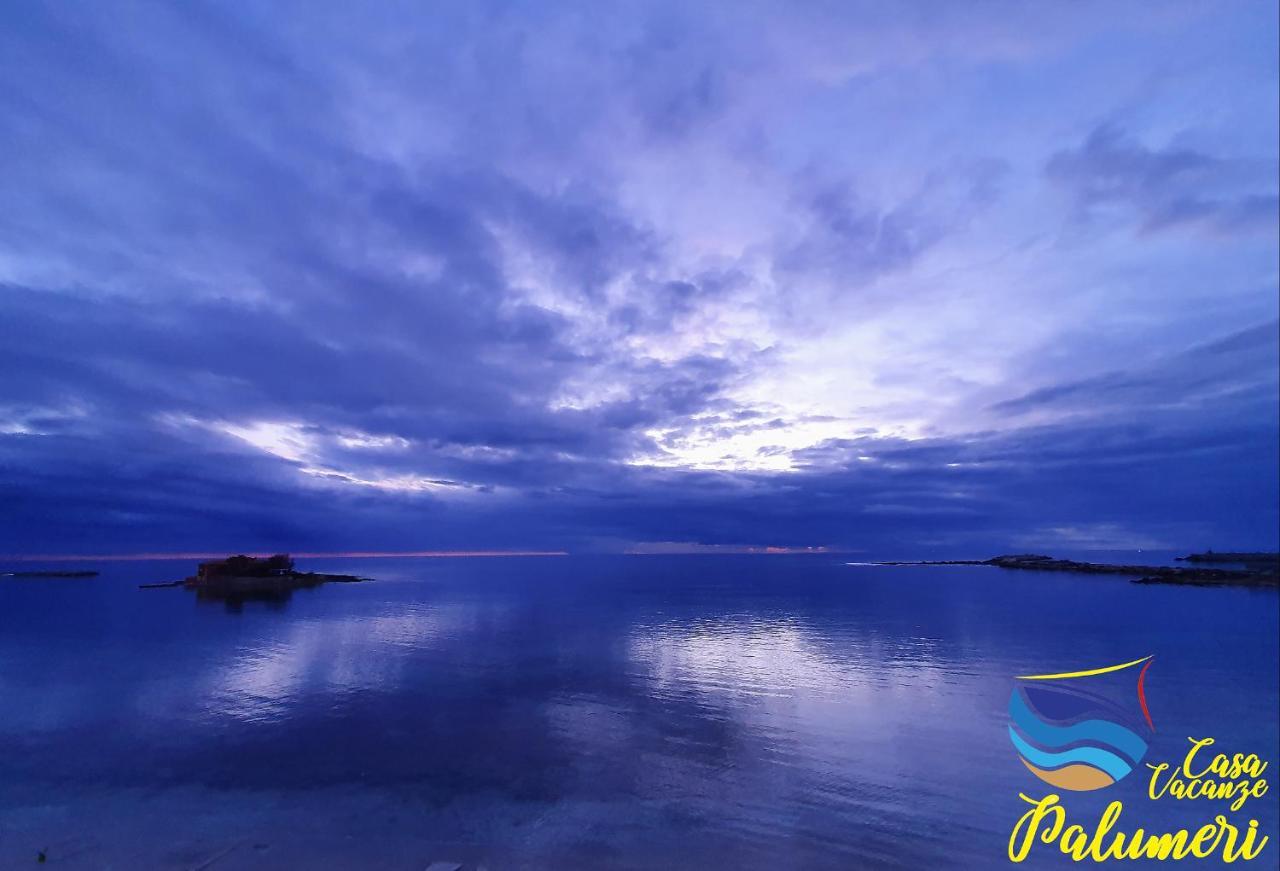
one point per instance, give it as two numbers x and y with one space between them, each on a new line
1258 569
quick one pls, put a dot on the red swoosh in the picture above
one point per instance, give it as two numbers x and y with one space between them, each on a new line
1142 696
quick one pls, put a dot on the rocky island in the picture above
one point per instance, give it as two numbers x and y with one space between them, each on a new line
245 578
1259 570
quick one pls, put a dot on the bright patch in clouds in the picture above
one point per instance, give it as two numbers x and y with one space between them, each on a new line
308 446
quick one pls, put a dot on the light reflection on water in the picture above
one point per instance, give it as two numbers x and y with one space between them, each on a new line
638 712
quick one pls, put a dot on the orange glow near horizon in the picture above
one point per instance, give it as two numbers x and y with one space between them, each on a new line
671 550
353 554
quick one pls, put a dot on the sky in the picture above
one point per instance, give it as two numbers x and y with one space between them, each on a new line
891 278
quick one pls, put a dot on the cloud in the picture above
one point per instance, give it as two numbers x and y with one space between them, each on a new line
1169 187
855 242
288 276
1242 370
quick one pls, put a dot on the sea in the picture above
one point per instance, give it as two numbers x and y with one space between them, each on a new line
698 711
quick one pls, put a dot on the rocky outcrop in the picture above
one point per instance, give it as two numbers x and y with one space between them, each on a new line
1252 560
1252 575
1147 574
246 578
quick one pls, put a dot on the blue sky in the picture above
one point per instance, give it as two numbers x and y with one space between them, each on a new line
883 277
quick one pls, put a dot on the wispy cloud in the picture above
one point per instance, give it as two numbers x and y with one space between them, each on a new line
1169 187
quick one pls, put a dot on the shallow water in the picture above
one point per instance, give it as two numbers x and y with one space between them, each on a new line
589 712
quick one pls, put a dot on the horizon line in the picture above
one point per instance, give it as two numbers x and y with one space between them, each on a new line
416 554
344 554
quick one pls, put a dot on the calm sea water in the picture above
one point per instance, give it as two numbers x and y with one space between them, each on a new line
588 712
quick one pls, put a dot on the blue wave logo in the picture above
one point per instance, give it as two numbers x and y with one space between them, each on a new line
1073 730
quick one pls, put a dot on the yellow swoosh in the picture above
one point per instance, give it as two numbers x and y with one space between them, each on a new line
1087 673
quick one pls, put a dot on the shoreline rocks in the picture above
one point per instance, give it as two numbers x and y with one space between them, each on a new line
1256 573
